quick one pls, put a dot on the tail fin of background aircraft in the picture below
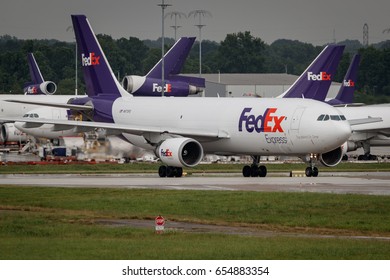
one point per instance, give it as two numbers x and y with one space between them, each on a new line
345 94
94 62
37 85
35 73
315 81
174 59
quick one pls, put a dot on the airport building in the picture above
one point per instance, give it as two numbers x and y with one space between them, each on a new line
255 85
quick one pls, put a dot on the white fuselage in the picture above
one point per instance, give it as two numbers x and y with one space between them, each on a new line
254 126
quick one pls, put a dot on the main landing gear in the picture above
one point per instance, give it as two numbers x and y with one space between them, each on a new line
254 170
170 171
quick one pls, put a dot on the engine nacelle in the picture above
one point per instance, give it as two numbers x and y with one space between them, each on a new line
47 88
145 86
180 152
133 83
335 156
9 133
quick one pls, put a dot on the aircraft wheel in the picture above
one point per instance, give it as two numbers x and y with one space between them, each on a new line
179 172
170 171
254 171
162 171
246 171
308 172
315 172
262 171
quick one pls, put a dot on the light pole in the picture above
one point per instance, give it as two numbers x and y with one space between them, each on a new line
75 60
200 14
176 15
163 7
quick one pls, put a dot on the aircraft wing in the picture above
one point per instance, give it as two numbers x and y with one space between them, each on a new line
57 105
370 125
114 128
364 121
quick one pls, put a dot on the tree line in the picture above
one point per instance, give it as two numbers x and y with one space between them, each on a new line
237 53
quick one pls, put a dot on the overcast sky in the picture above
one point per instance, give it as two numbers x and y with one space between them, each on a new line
314 21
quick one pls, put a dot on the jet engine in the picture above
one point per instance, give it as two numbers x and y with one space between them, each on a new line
9 133
47 88
132 83
180 152
335 156
145 86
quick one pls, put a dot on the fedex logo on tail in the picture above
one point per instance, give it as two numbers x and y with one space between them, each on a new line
323 76
90 60
158 88
267 122
349 83
166 153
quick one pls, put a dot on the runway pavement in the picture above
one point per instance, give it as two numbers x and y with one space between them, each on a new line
370 183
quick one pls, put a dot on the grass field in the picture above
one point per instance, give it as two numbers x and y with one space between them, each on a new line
61 223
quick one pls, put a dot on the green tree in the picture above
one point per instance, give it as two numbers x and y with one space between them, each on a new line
241 53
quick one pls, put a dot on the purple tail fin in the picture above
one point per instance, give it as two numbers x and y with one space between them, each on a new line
174 59
345 94
98 76
35 73
315 81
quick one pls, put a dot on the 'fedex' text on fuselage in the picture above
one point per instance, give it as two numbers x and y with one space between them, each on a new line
268 122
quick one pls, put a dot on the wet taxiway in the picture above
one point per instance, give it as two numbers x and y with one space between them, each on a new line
370 183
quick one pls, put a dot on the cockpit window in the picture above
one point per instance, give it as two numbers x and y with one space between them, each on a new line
335 117
324 117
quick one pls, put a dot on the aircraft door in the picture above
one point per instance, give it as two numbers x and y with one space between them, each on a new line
56 113
296 119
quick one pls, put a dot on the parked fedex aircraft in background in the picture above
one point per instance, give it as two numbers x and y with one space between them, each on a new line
29 106
175 84
181 130
345 94
317 78
38 85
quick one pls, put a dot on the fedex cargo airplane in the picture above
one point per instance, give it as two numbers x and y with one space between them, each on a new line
175 84
38 85
149 85
181 130
345 94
